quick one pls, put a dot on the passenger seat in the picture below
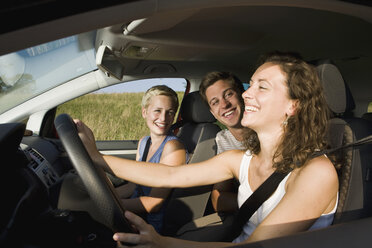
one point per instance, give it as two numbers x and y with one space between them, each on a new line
198 131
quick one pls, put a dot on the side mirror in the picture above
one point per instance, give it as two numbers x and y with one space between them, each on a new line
109 63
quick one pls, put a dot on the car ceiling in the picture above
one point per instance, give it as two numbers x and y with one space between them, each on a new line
224 32
192 41
190 38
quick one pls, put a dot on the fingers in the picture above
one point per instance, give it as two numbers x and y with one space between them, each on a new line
131 238
79 125
78 122
82 128
126 238
137 221
146 232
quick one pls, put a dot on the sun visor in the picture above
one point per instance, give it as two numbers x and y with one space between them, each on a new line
109 63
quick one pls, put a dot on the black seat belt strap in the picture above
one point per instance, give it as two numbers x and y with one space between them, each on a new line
177 125
258 197
144 157
363 141
146 151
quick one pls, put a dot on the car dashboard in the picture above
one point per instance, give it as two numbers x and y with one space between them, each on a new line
47 174
33 169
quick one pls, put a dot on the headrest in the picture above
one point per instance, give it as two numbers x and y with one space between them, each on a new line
336 91
194 109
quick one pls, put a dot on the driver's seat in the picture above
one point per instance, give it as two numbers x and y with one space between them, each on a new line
354 200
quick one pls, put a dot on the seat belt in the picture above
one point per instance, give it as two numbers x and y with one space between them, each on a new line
254 201
268 187
146 151
144 157
177 125
364 141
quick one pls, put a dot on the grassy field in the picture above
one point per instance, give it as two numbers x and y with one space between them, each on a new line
110 116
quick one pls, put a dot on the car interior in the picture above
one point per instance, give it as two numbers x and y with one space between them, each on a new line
52 193
354 198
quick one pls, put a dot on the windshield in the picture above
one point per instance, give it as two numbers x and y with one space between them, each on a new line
30 72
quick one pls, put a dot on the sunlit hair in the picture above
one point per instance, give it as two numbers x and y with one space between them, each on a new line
306 130
212 77
160 90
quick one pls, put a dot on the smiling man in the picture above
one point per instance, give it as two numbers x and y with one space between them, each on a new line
222 91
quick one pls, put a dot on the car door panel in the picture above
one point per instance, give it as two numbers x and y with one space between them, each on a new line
120 148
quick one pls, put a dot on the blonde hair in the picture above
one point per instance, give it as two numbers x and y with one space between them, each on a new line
160 90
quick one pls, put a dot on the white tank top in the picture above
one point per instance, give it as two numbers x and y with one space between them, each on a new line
261 213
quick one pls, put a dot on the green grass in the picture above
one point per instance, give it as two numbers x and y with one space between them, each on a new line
115 116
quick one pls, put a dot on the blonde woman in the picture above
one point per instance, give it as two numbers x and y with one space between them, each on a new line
159 106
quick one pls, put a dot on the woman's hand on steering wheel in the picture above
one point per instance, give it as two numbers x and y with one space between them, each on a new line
87 137
146 237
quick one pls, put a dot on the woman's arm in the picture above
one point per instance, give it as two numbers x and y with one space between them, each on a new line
126 190
223 166
224 197
311 191
173 154
160 175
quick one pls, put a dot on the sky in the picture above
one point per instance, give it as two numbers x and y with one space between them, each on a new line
177 84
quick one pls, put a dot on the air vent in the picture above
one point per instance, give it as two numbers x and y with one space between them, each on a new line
34 164
36 158
35 154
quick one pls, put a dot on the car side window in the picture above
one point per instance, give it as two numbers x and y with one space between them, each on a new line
114 112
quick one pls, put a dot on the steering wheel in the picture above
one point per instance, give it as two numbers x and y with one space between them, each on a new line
94 179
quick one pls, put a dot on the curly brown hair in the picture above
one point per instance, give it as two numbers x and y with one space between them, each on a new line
305 132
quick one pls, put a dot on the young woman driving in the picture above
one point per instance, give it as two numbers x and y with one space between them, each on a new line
287 114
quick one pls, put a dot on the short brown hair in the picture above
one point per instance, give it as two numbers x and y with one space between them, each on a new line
212 77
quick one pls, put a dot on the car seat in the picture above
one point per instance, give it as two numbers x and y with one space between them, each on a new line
355 193
197 126
367 116
197 131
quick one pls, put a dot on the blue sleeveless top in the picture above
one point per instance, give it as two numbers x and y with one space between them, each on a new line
155 219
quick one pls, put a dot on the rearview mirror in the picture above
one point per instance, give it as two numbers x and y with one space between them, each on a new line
109 63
